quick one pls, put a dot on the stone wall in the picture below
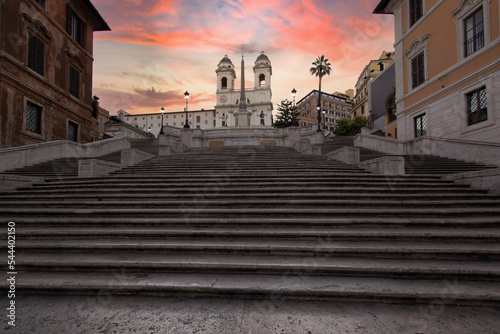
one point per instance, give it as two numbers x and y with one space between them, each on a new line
28 155
479 152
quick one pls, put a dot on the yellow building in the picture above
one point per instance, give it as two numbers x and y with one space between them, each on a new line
362 105
447 68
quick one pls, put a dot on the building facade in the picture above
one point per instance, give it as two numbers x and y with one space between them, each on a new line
46 71
258 107
334 107
447 68
379 90
362 106
258 99
151 123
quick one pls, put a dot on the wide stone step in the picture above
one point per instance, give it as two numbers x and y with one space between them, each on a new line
228 179
261 264
198 222
218 174
251 203
340 288
192 210
369 249
322 234
228 184
262 196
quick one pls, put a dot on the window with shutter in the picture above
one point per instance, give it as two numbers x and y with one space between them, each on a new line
75 26
74 82
36 50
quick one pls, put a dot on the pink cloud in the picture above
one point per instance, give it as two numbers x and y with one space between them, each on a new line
192 36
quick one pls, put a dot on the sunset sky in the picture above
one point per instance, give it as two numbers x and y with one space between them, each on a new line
158 49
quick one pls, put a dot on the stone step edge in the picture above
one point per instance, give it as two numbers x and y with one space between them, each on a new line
312 212
332 234
487 251
151 204
270 287
377 267
261 221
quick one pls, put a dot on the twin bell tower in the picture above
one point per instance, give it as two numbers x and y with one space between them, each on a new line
244 108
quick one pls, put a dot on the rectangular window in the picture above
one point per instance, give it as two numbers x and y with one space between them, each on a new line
420 126
36 54
198 119
74 82
417 70
474 32
33 118
101 122
75 26
416 11
477 106
72 131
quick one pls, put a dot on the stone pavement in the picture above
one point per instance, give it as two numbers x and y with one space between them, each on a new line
118 314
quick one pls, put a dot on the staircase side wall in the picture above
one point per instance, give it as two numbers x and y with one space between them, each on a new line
28 155
478 152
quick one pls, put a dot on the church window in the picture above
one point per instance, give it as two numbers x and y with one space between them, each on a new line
224 83
262 80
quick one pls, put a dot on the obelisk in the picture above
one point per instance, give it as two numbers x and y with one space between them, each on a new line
243 116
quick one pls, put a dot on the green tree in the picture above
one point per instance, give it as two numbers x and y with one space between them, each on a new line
350 127
390 105
285 114
321 67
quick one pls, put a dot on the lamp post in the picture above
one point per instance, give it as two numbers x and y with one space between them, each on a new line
186 96
294 94
318 108
161 129
324 120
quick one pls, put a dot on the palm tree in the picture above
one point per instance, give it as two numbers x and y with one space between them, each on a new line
321 67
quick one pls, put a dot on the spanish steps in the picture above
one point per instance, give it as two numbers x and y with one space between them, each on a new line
258 222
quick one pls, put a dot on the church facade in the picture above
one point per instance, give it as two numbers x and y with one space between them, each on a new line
244 107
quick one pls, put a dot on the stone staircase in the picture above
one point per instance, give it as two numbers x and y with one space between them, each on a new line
414 164
257 222
60 168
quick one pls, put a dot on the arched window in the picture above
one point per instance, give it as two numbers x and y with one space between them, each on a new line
224 83
262 80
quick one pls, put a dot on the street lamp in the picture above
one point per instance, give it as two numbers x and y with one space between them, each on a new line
186 96
324 119
162 111
294 121
318 108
